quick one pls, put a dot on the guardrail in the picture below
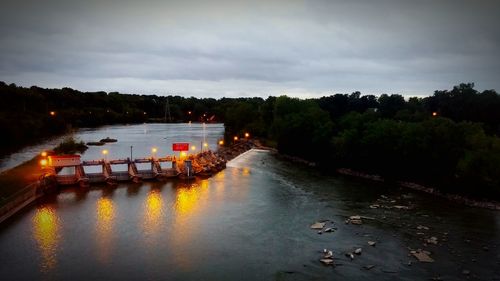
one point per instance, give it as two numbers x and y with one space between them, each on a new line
18 200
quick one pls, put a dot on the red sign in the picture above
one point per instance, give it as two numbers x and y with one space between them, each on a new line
180 146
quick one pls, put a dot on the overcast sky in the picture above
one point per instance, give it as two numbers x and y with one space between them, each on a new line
251 48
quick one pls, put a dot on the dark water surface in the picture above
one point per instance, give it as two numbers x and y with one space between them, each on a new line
248 222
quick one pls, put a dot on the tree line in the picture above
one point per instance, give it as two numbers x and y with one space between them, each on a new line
449 139
28 114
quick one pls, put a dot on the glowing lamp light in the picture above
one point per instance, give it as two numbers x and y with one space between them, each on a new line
44 154
52 113
189 112
205 144
193 148
43 162
235 138
183 154
247 135
434 113
221 142
105 152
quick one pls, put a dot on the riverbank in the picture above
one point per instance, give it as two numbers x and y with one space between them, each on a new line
461 199
457 198
236 149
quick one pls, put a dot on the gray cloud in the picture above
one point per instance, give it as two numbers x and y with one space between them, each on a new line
242 48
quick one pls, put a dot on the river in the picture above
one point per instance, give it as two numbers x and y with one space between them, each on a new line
249 222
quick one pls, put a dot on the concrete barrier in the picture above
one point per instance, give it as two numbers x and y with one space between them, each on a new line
19 200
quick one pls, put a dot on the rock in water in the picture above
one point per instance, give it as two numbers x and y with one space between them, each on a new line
328 255
422 257
318 225
422 227
432 240
326 261
368 267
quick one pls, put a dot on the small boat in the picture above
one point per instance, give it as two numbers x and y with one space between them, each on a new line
108 139
96 143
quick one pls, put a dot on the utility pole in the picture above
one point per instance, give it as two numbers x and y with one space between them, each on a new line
167 109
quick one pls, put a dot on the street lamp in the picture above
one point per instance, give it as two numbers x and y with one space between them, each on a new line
105 153
235 138
43 161
153 151
247 135
221 142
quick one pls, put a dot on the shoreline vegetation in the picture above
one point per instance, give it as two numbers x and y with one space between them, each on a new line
457 198
448 140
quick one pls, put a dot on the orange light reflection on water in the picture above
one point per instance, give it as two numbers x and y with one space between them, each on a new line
104 226
190 203
246 171
185 201
220 175
153 215
46 227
